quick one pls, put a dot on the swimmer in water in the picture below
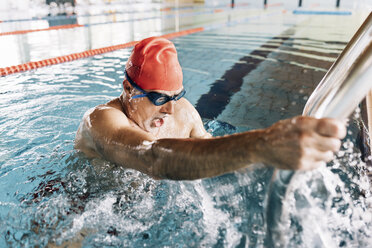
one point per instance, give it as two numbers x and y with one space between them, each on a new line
152 128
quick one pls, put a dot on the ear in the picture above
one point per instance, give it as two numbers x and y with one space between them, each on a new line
127 87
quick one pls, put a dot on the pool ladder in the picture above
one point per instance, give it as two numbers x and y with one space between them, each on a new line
345 85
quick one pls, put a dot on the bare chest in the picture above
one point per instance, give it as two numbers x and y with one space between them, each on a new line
172 128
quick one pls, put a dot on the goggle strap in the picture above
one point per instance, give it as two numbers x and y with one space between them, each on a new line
138 96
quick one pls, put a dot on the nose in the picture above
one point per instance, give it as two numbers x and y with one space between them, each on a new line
168 108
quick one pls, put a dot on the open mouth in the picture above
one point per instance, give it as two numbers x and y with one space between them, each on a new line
158 122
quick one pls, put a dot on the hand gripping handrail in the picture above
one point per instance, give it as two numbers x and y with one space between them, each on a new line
343 87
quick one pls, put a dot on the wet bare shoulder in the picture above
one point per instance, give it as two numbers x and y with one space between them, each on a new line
191 118
106 117
98 121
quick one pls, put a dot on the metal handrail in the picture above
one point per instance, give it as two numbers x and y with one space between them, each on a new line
347 81
344 86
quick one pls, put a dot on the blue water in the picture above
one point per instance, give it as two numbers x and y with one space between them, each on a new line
51 194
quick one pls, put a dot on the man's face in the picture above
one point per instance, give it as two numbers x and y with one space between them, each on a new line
149 116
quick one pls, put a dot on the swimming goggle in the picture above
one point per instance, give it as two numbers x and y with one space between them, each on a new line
155 97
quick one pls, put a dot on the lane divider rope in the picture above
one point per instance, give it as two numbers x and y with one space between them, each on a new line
111 22
74 56
273 5
114 12
42 29
69 26
182 15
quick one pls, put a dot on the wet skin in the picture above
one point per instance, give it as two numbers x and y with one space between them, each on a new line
169 141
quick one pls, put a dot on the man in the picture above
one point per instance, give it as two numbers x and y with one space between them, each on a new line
150 127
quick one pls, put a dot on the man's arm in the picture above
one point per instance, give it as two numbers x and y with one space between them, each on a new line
177 159
299 143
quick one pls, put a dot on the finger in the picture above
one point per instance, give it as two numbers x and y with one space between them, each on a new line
324 144
326 156
331 128
305 123
314 155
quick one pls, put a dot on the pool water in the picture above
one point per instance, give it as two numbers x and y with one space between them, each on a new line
239 77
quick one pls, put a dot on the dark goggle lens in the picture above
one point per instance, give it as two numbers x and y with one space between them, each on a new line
157 98
160 99
180 95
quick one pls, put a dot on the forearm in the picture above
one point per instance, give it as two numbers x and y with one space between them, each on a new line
187 159
299 143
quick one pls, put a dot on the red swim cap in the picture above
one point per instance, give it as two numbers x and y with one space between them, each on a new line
153 65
